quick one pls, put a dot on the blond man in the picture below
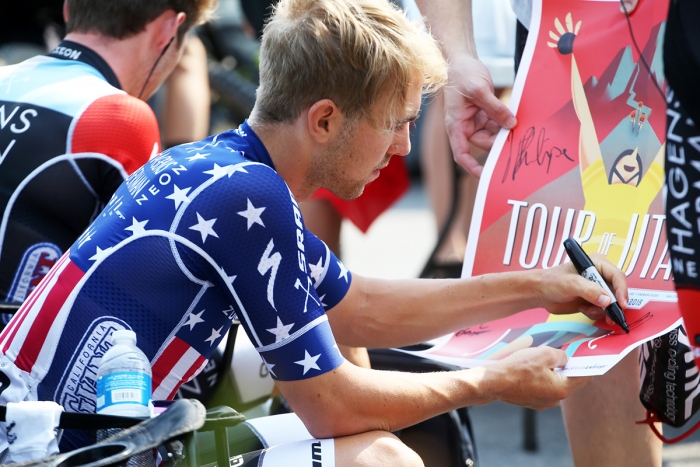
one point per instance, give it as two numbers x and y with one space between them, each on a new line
210 232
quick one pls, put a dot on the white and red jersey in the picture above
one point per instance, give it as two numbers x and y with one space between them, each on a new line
68 138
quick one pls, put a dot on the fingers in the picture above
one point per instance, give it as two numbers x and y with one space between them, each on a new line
469 164
533 380
589 291
473 114
495 109
613 276
575 382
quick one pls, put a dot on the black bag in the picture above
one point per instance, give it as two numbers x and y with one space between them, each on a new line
682 54
670 388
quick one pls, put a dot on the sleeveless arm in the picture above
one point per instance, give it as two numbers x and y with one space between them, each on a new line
589 148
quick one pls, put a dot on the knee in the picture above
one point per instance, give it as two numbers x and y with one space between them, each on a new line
389 451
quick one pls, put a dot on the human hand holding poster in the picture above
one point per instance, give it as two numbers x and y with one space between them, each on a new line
585 161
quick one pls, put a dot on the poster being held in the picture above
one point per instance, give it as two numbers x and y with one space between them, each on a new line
585 161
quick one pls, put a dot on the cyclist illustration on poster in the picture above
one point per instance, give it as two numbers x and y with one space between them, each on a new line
585 161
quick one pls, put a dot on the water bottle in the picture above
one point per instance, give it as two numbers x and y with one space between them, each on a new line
124 378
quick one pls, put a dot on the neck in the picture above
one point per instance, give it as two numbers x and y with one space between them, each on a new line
290 151
129 58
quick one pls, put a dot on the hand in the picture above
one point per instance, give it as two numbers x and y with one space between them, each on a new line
563 290
472 112
528 378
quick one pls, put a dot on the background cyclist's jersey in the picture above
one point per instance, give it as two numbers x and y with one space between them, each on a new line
68 138
202 235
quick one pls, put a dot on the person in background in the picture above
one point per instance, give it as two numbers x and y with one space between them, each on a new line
600 421
75 125
210 232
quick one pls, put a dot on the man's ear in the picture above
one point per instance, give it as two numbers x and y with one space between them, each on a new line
169 21
65 11
324 120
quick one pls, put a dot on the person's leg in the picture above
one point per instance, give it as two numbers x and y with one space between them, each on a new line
186 108
372 449
438 168
283 441
325 222
600 421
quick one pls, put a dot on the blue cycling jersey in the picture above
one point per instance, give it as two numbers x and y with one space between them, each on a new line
202 235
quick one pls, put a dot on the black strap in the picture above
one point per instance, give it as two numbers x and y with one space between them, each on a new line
92 421
69 50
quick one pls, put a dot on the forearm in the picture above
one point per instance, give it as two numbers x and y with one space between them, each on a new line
351 400
450 21
384 313
355 400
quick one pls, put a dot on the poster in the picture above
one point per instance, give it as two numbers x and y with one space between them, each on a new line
585 161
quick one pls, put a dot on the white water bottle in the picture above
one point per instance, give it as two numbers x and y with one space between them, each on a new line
124 378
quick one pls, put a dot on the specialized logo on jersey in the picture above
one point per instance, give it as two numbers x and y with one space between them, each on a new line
198 237
35 264
77 390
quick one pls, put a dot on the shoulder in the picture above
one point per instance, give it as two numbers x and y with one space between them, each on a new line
120 126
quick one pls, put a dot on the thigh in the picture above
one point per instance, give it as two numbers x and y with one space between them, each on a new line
371 449
600 420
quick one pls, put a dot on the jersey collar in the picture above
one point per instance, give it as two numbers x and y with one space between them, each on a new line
259 153
69 50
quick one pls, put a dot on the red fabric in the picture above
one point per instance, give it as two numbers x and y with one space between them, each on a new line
120 126
689 302
392 183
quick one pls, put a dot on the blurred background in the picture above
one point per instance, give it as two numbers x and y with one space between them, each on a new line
419 232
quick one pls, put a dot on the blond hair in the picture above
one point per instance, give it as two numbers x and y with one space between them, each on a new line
355 52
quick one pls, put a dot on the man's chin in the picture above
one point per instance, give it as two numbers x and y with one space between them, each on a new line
347 194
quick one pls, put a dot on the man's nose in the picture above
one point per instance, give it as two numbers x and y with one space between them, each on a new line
402 142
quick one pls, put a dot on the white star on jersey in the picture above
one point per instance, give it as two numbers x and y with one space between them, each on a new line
218 172
269 366
309 362
236 168
205 227
137 228
252 215
343 271
215 334
193 319
179 196
101 254
198 156
316 270
281 331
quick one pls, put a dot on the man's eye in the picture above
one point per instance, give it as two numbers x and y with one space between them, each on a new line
400 126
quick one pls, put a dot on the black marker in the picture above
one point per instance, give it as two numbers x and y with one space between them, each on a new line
585 267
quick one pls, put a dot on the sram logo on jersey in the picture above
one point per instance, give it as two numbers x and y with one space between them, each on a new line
35 264
77 390
300 234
